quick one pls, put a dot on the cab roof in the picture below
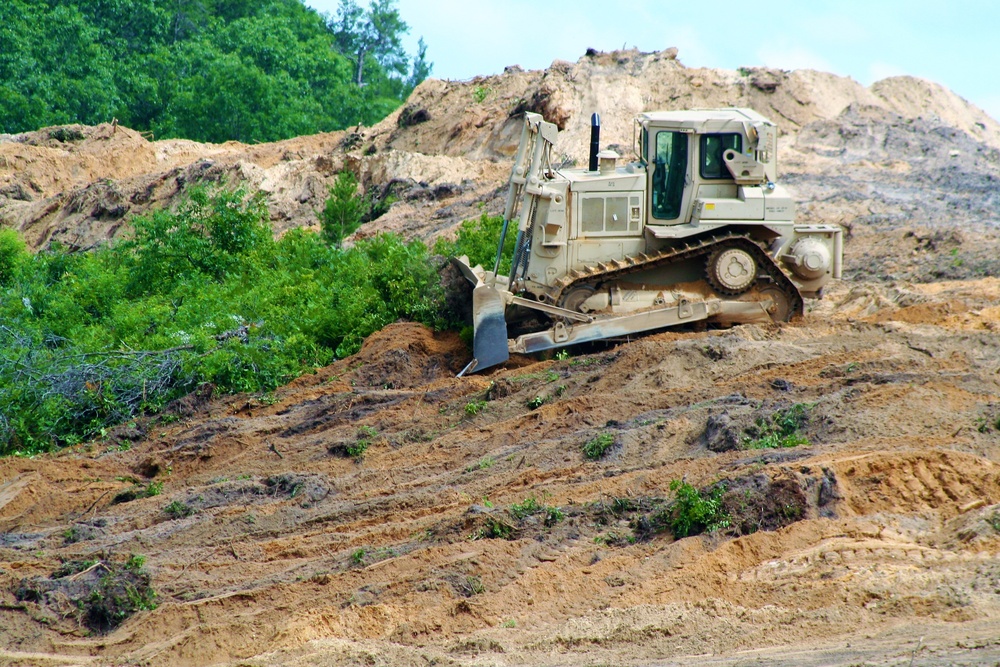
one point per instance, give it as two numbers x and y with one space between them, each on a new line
701 120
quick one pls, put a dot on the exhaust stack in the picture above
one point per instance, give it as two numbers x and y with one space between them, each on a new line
595 140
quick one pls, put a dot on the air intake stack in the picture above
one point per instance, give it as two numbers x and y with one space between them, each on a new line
595 140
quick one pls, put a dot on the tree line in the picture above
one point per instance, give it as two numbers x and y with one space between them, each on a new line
208 70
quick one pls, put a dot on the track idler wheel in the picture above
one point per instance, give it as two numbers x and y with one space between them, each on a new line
574 298
731 270
782 307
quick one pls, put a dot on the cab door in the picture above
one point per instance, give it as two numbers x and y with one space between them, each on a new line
669 175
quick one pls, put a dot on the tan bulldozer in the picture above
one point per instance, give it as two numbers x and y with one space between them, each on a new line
694 229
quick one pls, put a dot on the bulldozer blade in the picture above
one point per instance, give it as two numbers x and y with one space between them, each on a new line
489 344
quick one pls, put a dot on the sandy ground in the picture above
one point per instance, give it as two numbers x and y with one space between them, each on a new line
297 555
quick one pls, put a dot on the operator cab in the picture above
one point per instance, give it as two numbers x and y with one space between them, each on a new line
684 153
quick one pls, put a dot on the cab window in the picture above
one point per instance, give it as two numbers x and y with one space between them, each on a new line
713 146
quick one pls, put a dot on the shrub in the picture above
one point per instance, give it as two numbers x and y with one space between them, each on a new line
528 506
178 510
198 295
780 430
536 402
344 209
693 511
13 253
553 515
478 240
473 408
107 595
494 528
596 448
119 594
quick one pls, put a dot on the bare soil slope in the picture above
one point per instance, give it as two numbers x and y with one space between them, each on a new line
883 530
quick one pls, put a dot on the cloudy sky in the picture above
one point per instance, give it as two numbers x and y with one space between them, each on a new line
953 42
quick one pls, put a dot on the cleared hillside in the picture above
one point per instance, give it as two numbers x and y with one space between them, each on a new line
384 512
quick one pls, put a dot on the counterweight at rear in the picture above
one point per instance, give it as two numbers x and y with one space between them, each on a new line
695 228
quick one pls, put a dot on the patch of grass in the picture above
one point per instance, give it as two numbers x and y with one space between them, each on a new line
553 515
484 463
358 556
691 512
536 402
178 510
509 623
473 586
524 508
473 408
779 431
494 528
596 448
138 491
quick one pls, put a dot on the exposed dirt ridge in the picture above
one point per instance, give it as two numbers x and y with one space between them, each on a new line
445 151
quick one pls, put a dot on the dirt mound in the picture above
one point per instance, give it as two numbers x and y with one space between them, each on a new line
480 118
904 152
407 355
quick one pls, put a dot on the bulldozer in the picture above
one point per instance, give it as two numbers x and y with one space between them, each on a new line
694 229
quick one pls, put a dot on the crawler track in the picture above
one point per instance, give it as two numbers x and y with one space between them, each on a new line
769 274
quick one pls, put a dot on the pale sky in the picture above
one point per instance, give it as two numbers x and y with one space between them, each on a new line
952 42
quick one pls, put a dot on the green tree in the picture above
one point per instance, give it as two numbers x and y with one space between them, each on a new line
344 210
209 70
376 33
421 66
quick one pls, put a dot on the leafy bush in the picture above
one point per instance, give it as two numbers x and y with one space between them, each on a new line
202 295
693 511
119 594
596 448
13 254
494 528
178 510
780 431
478 239
553 515
473 408
528 506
